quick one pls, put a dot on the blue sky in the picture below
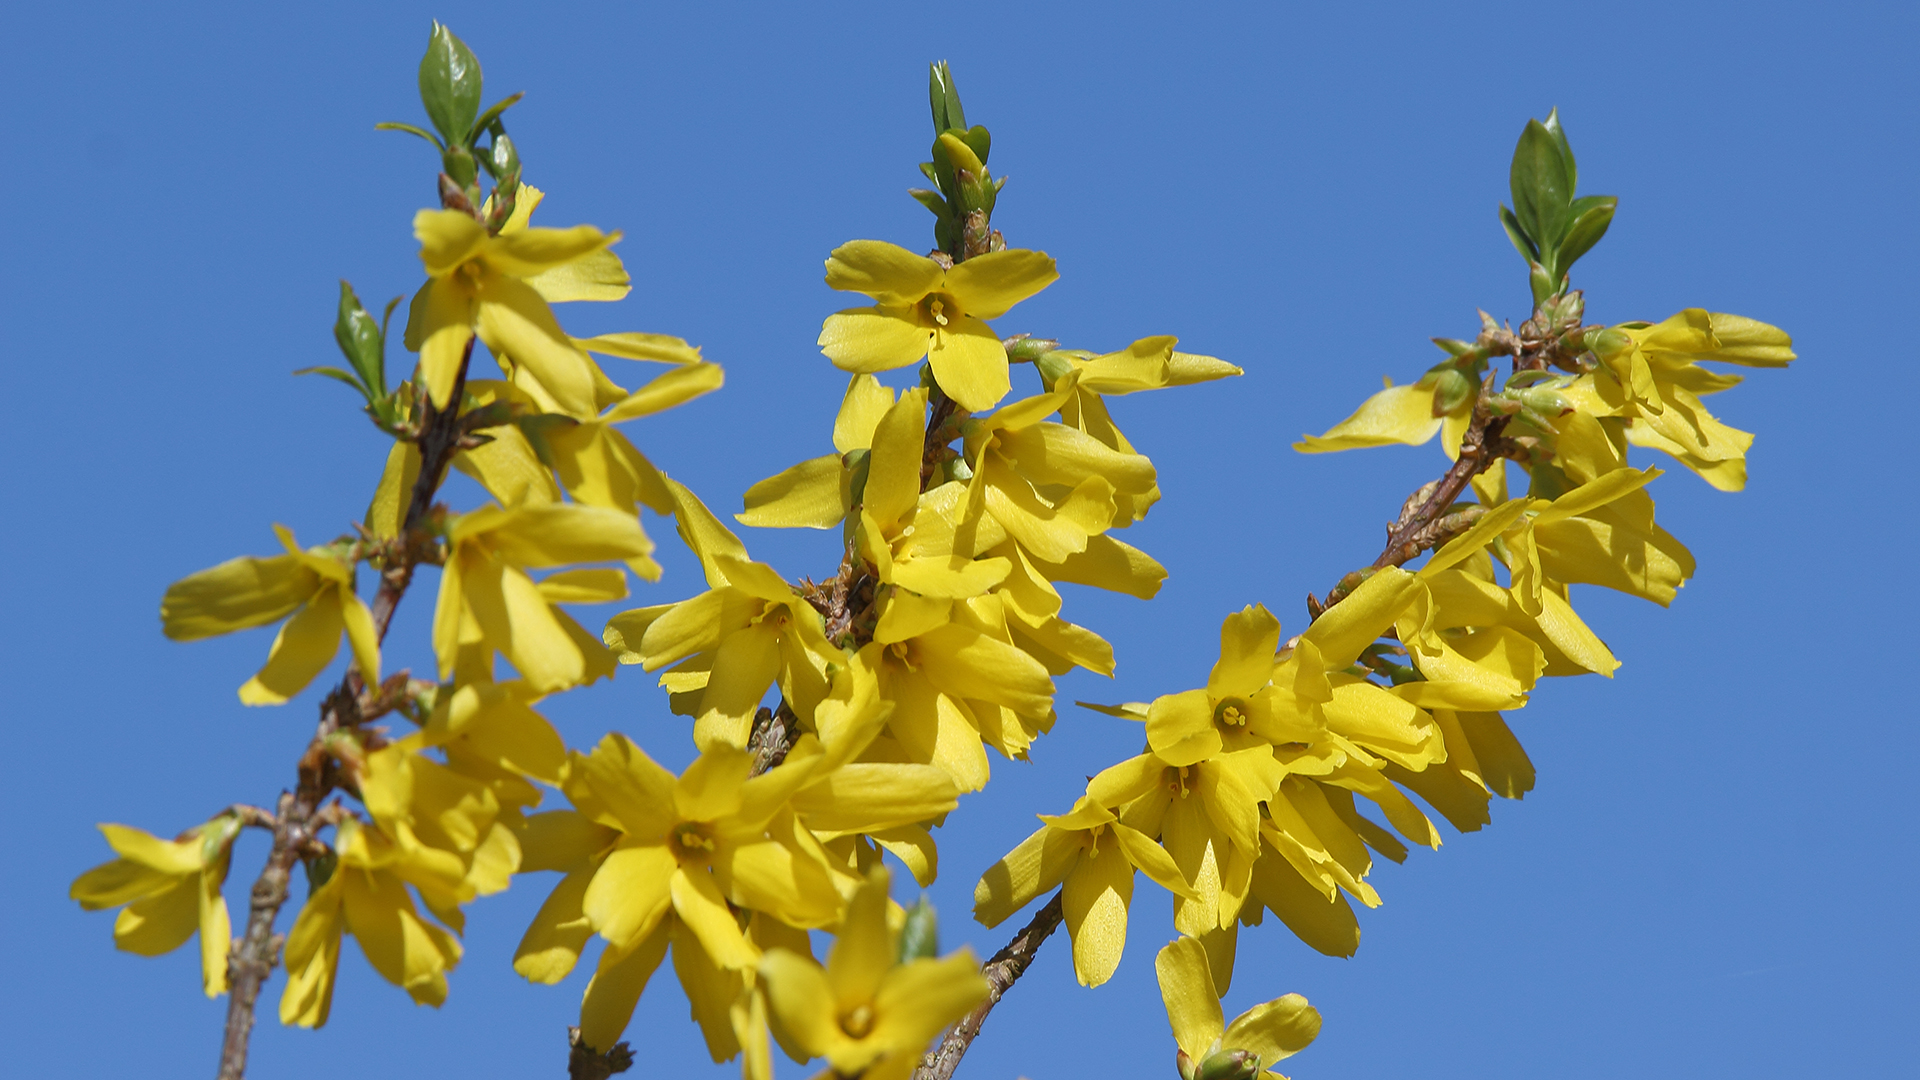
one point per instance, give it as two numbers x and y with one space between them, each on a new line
1711 877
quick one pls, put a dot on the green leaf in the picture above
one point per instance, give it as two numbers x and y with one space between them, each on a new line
389 125
336 373
945 98
450 84
1521 242
1541 188
1591 216
492 114
360 341
931 200
1566 152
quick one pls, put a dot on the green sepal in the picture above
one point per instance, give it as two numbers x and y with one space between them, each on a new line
492 114
920 934
320 870
1451 390
1452 346
391 125
450 84
361 342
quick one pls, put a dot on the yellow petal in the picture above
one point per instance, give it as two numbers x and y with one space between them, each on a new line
560 929
887 272
893 477
1039 863
1248 640
802 1001
698 903
987 286
616 987
1193 1007
675 387
866 401
863 950
804 496
361 636
866 340
1095 901
1180 727
516 322
1274 1030
598 275
916 1000
1356 622
236 595
629 895
1398 414
313 956
525 252
303 648
440 328
447 239
970 364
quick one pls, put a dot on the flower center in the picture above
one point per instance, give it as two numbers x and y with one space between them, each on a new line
939 309
858 1022
692 842
1231 713
1177 780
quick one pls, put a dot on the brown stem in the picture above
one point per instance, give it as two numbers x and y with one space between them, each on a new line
1002 972
299 817
1479 449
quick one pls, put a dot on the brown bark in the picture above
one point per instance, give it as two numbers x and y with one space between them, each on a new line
1002 972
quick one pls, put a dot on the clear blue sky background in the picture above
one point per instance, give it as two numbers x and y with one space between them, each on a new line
1714 876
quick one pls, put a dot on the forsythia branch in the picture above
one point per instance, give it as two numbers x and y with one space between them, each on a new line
1002 972
299 816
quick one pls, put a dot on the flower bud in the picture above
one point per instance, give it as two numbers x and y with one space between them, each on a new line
1452 388
1229 1065
1609 342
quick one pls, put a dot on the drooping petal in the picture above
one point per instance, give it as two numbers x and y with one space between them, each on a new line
1398 414
866 401
616 988
804 496
1095 901
236 595
440 327
698 903
560 929
1186 986
970 364
303 648
526 252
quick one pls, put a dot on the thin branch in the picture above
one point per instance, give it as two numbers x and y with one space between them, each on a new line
299 816
1002 972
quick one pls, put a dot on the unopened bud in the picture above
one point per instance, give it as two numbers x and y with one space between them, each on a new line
458 164
1545 401
505 158
1229 1065
1609 342
1452 388
920 935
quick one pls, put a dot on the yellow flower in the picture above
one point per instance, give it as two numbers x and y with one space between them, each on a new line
654 860
248 592
171 888
1650 377
1095 855
1240 707
867 1014
365 894
479 284
1209 1046
488 601
731 643
927 309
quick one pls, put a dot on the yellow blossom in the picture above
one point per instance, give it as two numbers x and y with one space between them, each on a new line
925 308
478 283
364 894
1095 855
171 888
487 598
1211 1047
866 1013
316 585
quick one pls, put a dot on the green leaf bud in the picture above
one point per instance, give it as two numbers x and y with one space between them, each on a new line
920 935
361 341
